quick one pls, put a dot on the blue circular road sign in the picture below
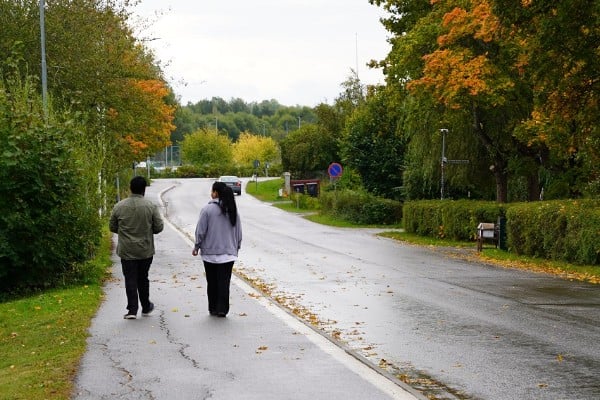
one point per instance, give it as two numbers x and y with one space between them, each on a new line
335 170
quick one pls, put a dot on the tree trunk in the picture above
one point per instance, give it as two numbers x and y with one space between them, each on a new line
500 167
533 187
501 177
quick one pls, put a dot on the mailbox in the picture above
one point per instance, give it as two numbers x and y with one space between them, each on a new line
485 230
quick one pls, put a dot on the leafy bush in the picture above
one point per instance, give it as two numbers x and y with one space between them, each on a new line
48 210
456 220
305 202
360 207
560 230
187 171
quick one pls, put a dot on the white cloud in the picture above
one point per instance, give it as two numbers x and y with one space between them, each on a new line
297 52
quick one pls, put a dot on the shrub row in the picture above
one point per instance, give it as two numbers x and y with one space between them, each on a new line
449 219
49 222
360 207
305 202
559 230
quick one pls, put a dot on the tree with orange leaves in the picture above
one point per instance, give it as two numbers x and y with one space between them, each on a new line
474 71
560 51
98 68
456 56
524 73
150 129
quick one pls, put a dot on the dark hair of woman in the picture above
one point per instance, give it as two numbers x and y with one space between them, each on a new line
226 201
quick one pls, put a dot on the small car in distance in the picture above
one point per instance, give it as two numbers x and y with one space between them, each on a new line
233 182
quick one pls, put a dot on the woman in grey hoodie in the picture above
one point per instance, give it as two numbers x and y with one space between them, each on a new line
218 239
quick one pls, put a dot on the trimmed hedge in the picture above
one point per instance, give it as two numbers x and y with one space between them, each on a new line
449 219
360 207
559 230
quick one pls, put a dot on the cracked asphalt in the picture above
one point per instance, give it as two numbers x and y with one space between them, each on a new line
259 351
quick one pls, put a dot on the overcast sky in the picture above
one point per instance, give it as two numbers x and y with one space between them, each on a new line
297 52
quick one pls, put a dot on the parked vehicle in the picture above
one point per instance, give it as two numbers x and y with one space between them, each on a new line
233 182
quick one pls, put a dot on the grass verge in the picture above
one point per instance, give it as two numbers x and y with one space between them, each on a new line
43 336
492 255
266 190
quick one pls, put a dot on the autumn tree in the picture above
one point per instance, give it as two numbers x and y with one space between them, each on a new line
560 54
251 147
96 67
469 67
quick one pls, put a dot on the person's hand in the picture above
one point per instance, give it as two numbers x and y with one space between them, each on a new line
195 252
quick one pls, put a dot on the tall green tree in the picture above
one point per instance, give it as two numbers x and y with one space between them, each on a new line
306 152
207 148
374 146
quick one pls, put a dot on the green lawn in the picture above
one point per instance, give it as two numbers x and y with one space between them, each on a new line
42 339
43 336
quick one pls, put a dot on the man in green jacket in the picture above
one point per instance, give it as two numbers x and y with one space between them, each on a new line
136 220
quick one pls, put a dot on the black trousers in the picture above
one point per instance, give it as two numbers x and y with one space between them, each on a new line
218 279
137 284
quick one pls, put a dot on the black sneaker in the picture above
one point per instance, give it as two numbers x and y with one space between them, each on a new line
129 316
149 310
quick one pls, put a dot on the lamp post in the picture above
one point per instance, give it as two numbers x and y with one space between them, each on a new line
445 161
444 132
43 52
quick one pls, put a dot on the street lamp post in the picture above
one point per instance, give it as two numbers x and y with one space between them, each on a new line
43 52
444 132
445 161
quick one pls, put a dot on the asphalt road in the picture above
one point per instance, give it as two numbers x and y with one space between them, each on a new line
449 327
375 310
260 351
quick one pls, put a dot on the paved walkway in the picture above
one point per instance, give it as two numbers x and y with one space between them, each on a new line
180 352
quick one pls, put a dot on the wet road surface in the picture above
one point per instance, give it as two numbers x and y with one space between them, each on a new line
179 351
452 328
